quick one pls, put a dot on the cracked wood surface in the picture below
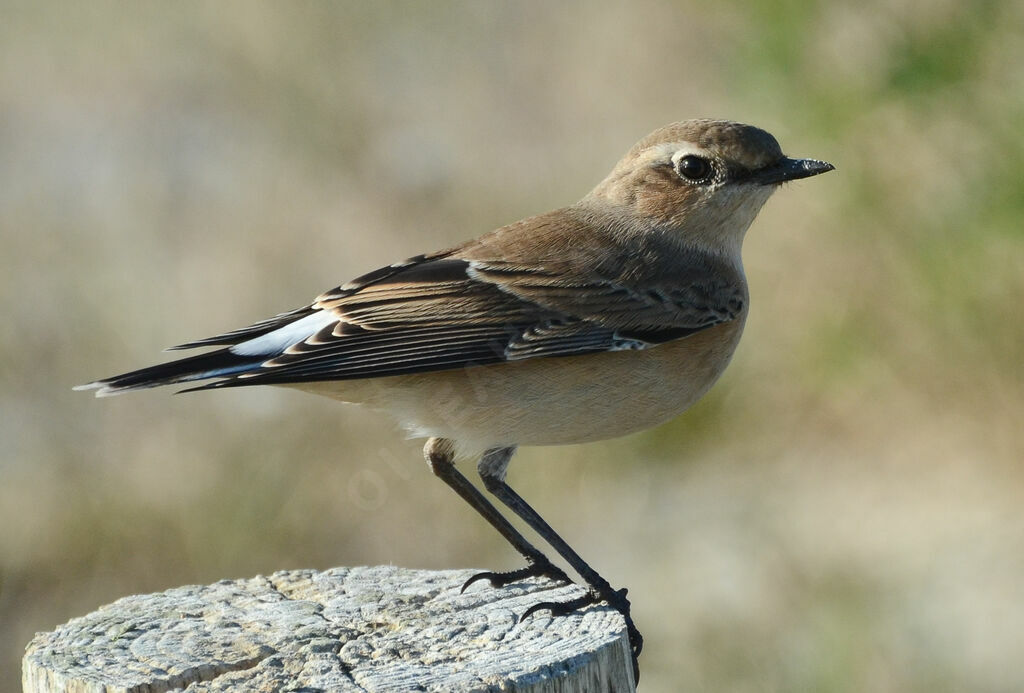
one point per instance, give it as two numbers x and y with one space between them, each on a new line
345 629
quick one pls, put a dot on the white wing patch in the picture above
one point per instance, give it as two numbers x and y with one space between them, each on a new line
273 343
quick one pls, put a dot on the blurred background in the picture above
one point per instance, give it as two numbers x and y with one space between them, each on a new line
842 513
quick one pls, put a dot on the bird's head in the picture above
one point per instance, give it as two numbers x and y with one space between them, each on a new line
704 180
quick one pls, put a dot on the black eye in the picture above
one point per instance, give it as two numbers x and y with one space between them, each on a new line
694 167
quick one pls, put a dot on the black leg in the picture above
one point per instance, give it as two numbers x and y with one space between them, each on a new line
438 452
492 469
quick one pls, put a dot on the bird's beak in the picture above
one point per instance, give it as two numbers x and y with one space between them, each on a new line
790 169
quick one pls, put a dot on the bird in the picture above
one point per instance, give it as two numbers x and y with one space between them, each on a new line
592 321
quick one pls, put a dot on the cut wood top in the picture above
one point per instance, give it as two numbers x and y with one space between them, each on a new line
346 629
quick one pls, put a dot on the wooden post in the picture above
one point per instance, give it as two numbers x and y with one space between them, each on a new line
346 629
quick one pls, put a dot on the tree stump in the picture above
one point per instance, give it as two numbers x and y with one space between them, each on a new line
346 629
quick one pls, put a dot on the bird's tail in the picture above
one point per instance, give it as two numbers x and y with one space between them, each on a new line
215 364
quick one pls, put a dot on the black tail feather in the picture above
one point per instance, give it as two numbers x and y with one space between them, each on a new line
215 364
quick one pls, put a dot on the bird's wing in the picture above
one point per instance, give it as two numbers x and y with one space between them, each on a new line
485 303
518 293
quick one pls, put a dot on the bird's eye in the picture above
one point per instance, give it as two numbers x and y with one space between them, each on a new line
693 167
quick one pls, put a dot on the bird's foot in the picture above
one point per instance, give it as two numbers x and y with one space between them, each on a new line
616 599
537 568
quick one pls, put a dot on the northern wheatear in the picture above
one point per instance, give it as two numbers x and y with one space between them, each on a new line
588 322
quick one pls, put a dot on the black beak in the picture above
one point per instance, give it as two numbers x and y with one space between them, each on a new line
790 169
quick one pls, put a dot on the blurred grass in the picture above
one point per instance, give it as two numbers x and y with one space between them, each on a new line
840 514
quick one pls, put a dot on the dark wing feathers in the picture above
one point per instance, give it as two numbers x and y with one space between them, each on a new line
451 313
452 310
251 332
702 299
568 337
378 275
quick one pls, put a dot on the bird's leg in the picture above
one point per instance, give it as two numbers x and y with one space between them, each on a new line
492 468
440 457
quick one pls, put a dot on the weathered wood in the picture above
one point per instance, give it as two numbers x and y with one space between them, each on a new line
346 629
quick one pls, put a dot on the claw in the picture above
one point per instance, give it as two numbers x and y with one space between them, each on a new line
562 608
535 608
545 569
616 599
496 579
